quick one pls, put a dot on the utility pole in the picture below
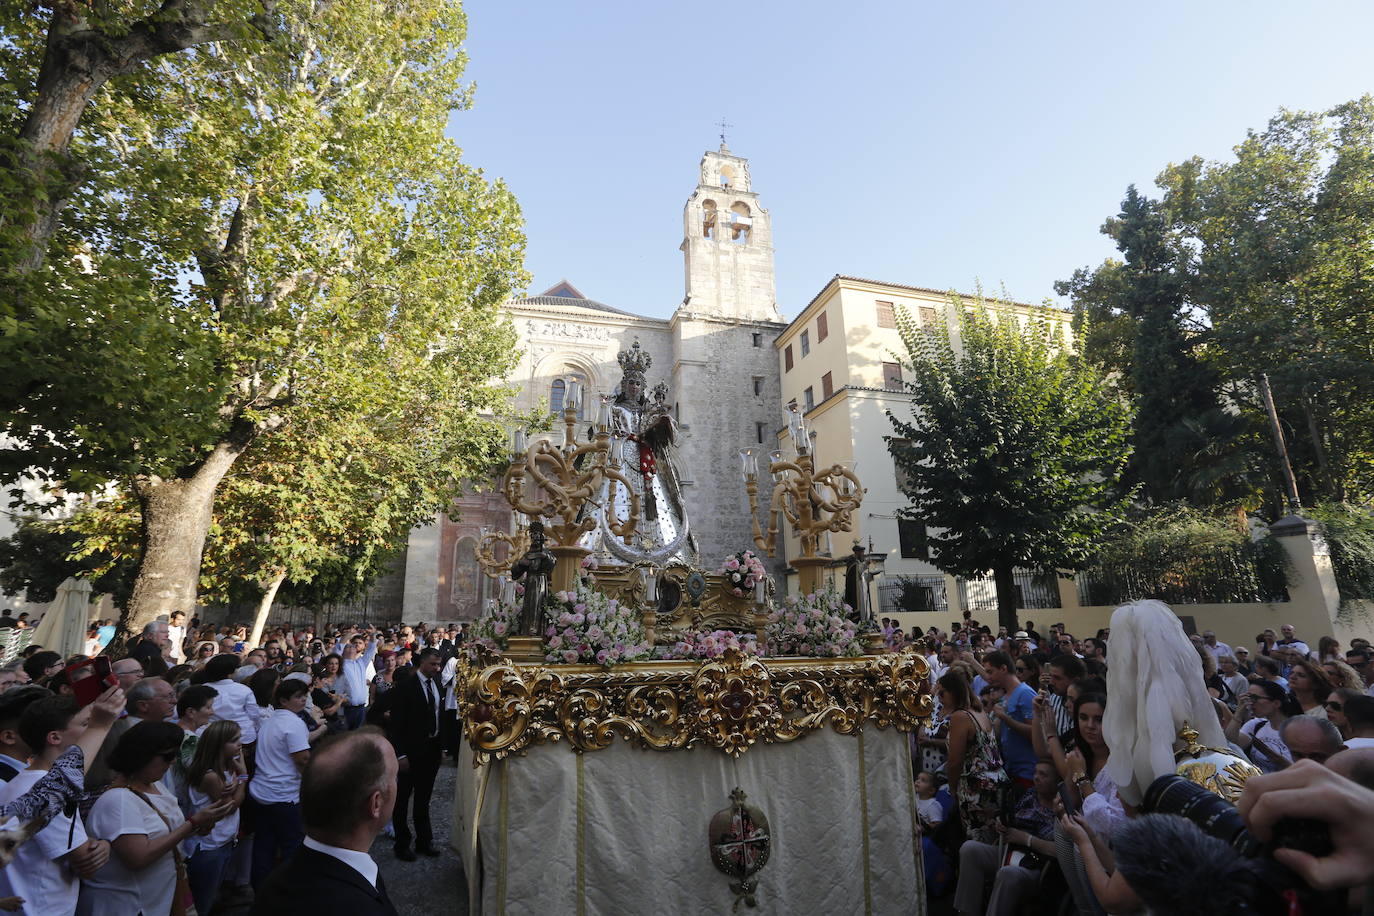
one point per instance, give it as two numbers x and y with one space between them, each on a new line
1290 482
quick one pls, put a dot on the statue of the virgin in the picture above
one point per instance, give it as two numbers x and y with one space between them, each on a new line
642 437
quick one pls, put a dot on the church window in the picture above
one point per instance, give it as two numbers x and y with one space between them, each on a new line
758 433
558 390
928 318
808 398
892 376
806 343
886 317
787 358
758 339
911 534
822 328
708 219
758 385
827 386
740 223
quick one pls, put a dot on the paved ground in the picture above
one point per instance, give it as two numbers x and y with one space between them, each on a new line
427 886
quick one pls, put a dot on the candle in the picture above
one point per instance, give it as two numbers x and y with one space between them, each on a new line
749 462
651 587
603 415
518 443
573 400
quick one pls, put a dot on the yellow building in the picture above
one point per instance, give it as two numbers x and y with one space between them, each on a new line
840 362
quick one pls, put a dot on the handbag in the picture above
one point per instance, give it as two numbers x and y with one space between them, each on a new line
183 904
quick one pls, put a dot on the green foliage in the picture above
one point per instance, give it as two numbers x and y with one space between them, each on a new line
1349 532
1185 555
275 248
1016 446
265 224
43 553
1260 264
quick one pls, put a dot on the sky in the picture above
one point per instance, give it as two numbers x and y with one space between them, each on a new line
931 144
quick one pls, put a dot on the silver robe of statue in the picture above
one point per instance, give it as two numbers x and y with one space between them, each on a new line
642 436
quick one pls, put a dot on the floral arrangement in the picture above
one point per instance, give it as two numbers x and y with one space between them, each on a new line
742 571
498 621
587 627
697 645
817 625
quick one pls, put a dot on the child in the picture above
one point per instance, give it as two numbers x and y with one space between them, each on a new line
46 870
929 812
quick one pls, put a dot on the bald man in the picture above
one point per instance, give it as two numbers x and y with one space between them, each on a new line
1310 738
348 791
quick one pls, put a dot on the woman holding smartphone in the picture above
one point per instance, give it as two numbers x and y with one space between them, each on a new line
217 773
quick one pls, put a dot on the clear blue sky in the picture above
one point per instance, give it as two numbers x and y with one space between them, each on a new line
922 143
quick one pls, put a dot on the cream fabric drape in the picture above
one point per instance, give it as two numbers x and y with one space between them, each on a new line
623 831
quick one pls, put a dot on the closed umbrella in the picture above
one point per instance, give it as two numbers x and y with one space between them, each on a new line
63 628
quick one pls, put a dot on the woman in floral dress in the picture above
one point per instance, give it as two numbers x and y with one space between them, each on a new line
974 765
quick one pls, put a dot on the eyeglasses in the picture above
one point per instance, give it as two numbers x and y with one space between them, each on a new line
1334 707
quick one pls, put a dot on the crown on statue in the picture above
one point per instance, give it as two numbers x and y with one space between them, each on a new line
634 362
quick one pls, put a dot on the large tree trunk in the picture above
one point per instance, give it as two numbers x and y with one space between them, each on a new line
176 517
265 608
1005 582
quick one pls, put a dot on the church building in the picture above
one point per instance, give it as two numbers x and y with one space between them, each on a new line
716 354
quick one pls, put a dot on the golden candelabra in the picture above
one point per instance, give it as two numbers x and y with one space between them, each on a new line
555 483
485 550
813 501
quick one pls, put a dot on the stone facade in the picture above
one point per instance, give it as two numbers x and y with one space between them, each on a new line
716 353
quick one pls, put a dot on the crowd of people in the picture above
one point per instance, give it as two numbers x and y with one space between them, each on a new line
1016 799
199 790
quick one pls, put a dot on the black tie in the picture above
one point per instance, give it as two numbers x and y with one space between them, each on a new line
433 707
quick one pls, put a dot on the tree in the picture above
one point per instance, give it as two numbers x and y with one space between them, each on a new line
1158 345
62 57
267 230
1016 447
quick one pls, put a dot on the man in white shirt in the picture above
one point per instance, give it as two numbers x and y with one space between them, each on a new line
356 662
46 870
1359 712
348 792
283 749
1214 648
176 637
234 701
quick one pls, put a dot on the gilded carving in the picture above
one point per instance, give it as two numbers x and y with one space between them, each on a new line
729 703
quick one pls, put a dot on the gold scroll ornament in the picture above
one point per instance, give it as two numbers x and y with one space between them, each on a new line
729 703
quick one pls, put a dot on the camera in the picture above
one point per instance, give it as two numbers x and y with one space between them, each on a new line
1265 885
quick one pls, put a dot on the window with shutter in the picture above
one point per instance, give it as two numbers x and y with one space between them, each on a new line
808 399
787 359
928 318
892 376
887 318
822 328
827 386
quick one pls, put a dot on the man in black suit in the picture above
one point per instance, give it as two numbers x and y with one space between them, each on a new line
347 793
414 731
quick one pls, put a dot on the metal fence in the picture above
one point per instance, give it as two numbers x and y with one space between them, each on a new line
899 594
12 642
1248 574
1033 590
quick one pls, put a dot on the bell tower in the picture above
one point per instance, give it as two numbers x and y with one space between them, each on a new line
728 244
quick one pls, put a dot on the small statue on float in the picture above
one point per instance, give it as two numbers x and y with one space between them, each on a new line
535 568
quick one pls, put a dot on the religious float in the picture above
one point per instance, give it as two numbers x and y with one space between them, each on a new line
645 735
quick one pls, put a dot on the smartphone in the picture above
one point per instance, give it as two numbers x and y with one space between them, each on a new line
1067 799
91 678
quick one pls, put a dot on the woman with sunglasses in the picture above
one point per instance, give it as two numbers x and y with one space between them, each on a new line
1255 727
144 825
1335 709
